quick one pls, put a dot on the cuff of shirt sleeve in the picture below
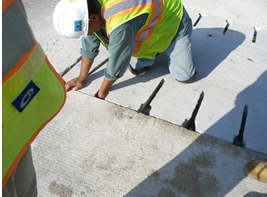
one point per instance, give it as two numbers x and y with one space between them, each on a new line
109 77
88 54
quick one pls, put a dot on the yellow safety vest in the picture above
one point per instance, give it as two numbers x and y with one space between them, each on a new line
32 91
164 17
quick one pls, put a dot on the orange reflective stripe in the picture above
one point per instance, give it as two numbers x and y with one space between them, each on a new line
151 30
56 73
124 12
21 62
14 164
148 24
110 5
6 4
56 82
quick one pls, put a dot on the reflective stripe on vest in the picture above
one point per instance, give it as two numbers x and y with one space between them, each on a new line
155 36
32 91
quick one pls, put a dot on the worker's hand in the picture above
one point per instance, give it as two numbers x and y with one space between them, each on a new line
75 83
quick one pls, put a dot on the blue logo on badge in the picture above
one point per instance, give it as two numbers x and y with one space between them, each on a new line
78 25
26 96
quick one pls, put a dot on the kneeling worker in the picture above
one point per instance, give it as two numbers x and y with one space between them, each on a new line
134 32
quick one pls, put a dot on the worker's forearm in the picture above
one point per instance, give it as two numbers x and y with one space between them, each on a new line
104 89
85 67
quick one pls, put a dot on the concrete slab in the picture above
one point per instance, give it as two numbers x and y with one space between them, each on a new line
231 71
104 148
97 148
251 13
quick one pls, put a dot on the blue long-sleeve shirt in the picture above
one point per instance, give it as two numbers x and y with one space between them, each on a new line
121 44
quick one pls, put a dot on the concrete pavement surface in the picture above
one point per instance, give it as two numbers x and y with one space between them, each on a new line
97 148
105 148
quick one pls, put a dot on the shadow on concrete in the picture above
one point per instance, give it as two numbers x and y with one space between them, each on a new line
95 75
209 47
208 166
157 70
255 133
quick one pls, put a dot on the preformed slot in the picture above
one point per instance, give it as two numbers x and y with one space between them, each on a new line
145 107
191 124
92 71
70 67
198 19
226 27
254 35
98 66
238 140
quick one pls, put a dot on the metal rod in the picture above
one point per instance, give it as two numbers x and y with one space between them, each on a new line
198 19
151 97
226 28
254 35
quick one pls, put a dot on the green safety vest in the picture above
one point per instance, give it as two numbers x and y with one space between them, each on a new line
32 91
164 17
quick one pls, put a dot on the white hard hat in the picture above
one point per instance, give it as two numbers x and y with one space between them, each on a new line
71 18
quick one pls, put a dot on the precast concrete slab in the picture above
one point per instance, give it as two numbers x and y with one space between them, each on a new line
97 148
251 13
231 70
